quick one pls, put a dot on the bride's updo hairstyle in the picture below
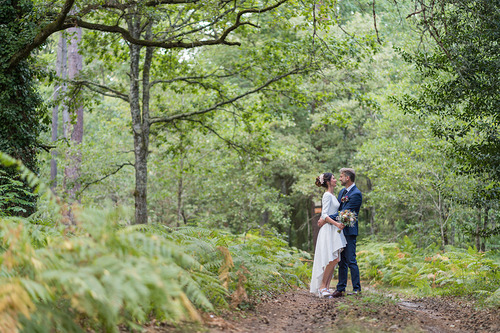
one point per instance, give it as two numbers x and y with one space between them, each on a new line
323 179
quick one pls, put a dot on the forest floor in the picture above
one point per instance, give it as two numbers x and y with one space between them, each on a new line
373 311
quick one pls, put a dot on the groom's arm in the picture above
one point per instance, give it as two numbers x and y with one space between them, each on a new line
354 203
334 216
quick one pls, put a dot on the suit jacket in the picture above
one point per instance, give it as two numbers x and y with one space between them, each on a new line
353 204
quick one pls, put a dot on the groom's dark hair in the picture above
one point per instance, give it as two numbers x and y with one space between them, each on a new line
349 173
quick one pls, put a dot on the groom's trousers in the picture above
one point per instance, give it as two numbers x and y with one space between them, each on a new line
348 260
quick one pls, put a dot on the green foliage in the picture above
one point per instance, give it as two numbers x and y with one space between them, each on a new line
21 115
461 84
98 277
453 271
13 192
101 273
12 196
268 263
252 263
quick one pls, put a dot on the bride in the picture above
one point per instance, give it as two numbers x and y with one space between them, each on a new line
330 241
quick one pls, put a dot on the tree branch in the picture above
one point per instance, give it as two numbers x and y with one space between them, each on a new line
201 77
106 176
229 101
49 29
166 45
202 27
230 143
177 44
101 89
116 5
169 2
415 13
375 22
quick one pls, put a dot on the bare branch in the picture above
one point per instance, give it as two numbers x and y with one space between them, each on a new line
415 13
45 147
229 142
375 22
169 2
247 11
229 101
105 176
201 77
202 27
101 89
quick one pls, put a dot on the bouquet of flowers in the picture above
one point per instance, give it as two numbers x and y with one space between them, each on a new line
347 218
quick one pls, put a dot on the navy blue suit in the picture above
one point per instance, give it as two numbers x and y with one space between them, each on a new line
348 256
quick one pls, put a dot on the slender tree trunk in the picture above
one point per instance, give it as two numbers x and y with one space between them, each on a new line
452 235
314 222
61 72
140 120
179 191
265 218
74 155
442 222
478 229
419 228
485 226
371 209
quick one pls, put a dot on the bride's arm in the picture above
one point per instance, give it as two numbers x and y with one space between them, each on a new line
325 206
329 220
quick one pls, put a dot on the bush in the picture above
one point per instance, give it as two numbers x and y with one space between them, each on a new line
453 271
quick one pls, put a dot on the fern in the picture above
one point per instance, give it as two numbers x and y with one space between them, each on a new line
455 271
102 272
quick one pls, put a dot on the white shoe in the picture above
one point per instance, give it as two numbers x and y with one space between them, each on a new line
323 293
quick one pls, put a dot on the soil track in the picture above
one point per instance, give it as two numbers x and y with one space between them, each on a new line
300 311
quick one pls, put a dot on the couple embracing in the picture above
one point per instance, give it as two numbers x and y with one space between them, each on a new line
336 242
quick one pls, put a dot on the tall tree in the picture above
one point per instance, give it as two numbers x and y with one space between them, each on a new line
179 28
73 117
59 90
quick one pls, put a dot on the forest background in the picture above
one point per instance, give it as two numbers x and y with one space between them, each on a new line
212 142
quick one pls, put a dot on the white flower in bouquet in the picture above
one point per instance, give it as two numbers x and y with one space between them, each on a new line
347 218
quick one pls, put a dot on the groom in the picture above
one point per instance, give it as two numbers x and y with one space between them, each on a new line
350 198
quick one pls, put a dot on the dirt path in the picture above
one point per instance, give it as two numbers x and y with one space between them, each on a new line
299 311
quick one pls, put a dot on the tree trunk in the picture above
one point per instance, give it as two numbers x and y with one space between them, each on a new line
452 235
265 218
485 227
370 210
61 72
179 192
478 229
74 155
140 120
442 222
314 222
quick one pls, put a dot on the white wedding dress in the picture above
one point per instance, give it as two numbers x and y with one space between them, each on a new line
329 243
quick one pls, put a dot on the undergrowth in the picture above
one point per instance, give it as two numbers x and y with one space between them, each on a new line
455 271
102 272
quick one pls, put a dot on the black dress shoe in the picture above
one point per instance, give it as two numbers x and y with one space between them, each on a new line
337 293
355 292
